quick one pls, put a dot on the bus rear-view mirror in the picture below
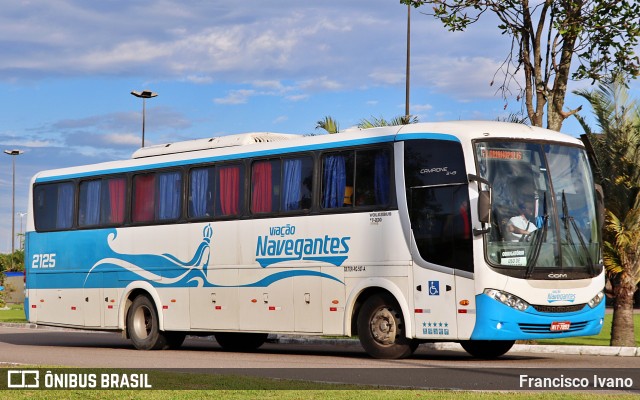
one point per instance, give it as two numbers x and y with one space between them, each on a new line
484 206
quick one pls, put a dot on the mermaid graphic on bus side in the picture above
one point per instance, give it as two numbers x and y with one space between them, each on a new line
163 269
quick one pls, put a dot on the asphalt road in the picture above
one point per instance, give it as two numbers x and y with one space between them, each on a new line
316 362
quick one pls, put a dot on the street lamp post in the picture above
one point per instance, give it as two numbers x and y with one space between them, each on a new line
21 214
408 66
13 153
144 95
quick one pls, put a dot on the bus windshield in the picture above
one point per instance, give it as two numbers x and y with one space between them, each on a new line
543 222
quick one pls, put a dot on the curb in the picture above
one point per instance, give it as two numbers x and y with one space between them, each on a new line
519 348
451 346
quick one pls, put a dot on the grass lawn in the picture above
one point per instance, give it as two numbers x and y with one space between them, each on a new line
303 394
603 339
15 313
204 386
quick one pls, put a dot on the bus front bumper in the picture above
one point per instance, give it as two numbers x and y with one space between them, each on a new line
497 321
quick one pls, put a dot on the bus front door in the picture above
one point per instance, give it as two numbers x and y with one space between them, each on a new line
434 297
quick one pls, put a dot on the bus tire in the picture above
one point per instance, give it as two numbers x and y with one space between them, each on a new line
143 325
381 329
487 349
242 341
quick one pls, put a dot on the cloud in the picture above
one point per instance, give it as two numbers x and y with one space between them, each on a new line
421 107
463 78
297 97
321 83
240 96
280 119
196 42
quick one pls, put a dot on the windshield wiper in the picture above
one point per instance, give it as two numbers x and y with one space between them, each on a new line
569 221
537 243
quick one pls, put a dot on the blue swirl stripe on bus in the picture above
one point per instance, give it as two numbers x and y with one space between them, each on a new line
287 274
112 269
334 260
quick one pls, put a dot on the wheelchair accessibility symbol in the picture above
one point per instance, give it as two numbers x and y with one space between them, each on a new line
434 288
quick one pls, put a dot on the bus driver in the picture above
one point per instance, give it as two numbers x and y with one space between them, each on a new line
521 225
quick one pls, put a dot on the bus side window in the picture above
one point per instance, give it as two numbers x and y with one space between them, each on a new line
337 177
297 179
89 203
101 202
372 177
201 192
113 201
54 206
229 194
144 198
169 197
265 186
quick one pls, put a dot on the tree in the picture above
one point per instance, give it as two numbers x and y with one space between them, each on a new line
546 38
375 122
328 124
515 118
617 159
18 261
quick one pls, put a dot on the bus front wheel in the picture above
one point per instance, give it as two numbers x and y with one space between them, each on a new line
143 325
487 349
381 329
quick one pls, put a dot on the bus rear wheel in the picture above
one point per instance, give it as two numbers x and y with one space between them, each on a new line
487 349
143 325
240 341
381 329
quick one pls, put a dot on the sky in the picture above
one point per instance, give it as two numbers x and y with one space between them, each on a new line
67 68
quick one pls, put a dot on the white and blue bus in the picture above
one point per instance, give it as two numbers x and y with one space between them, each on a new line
481 233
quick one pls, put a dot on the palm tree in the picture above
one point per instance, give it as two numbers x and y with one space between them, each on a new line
328 124
377 122
516 118
617 158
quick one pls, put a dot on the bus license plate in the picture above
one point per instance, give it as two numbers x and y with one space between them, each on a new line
560 326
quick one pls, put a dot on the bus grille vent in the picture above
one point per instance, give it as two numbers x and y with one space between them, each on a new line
558 309
546 328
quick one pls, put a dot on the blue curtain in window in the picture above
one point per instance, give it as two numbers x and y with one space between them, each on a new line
91 203
292 185
64 212
169 188
381 177
199 190
334 181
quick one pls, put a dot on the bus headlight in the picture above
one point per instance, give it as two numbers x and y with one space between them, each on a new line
507 299
593 303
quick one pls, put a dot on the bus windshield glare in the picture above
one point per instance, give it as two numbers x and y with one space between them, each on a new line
543 222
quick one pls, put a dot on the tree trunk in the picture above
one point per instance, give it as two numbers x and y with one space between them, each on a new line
554 118
622 328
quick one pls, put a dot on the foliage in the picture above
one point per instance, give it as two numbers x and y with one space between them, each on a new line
328 124
5 265
516 118
18 261
602 339
375 122
617 165
547 37
331 125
